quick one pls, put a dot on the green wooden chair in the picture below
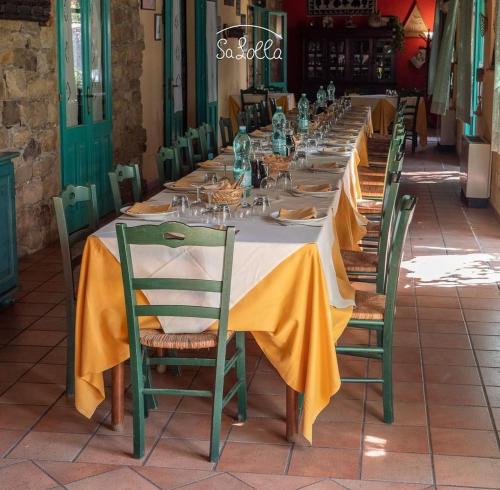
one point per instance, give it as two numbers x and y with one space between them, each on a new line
368 266
184 152
226 131
70 198
197 144
123 173
168 164
375 312
207 132
176 235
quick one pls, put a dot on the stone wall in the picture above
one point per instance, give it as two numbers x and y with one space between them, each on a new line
127 46
29 124
29 112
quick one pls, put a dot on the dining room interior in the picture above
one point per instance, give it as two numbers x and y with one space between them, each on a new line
250 244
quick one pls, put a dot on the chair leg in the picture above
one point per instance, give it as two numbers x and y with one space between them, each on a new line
138 400
70 356
387 388
150 402
241 377
217 406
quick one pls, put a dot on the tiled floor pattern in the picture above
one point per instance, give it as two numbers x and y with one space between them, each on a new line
447 385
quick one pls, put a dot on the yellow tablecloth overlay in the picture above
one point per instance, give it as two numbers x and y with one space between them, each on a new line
383 115
287 312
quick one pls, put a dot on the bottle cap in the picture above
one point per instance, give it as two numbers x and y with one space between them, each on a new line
303 95
243 128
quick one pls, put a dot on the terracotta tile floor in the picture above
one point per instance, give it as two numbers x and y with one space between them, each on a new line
447 384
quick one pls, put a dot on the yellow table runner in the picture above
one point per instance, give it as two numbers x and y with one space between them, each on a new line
383 115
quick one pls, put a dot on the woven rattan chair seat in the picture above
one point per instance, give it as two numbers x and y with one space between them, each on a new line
367 206
369 306
359 261
161 340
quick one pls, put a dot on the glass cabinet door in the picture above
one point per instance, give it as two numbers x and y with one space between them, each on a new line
314 60
335 60
383 52
360 59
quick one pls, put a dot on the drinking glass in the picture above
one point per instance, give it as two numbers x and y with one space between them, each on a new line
284 181
181 205
197 207
261 206
221 214
267 184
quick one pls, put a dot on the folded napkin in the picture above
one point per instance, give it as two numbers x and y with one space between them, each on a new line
144 208
314 188
257 133
303 213
227 149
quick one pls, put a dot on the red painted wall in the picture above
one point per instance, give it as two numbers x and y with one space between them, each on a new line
407 76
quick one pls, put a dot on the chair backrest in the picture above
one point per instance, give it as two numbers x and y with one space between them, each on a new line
386 226
174 235
242 118
207 132
185 155
123 173
70 197
226 131
252 95
168 164
252 117
198 145
405 210
272 103
265 114
410 101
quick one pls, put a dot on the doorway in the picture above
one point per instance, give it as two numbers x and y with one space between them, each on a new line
84 58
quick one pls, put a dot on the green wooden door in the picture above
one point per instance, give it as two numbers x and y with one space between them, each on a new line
85 98
174 15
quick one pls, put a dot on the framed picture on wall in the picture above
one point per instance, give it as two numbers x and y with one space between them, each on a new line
229 2
158 27
238 7
148 4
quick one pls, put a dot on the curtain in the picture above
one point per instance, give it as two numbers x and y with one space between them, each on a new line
495 130
441 90
436 38
465 50
177 55
211 33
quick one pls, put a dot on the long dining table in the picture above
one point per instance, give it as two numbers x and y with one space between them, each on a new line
289 287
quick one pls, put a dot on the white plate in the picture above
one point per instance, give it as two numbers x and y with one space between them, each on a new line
322 215
296 192
148 216
319 168
172 187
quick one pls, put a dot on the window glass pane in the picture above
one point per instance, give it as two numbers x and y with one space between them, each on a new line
97 87
277 69
73 62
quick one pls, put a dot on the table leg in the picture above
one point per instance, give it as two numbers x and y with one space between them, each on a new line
118 397
292 414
